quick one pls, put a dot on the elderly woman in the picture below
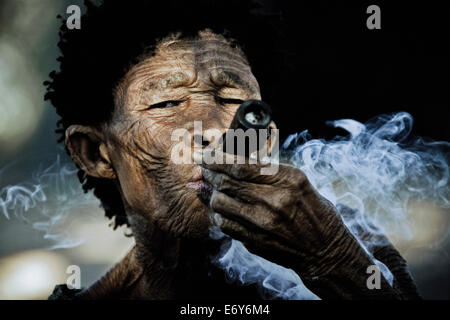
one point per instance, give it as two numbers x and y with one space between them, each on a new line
133 74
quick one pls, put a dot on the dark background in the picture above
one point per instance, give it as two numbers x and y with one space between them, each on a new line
345 70
341 70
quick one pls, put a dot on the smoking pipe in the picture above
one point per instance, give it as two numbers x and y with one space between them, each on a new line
251 115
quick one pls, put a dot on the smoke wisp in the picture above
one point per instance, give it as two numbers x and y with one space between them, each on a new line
374 173
377 172
49 202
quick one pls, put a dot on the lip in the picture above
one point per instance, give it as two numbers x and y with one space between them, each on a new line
198 176
198 183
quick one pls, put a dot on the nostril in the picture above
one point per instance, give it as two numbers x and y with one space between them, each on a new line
198 139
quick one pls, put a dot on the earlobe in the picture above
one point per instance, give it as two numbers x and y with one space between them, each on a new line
88 149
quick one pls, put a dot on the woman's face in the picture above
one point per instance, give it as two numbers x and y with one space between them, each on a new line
185 81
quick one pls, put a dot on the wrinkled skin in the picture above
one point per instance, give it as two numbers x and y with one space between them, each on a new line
280 217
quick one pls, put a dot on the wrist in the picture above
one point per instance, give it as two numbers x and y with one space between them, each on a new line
340 272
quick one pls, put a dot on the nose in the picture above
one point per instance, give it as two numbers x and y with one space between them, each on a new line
251 114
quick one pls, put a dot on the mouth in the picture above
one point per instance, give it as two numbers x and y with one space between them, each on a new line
197 179
197 182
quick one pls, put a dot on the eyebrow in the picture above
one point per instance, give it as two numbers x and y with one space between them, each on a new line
178 79
230 78
173 80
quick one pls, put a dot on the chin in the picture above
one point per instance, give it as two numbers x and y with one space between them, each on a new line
197 221
188 218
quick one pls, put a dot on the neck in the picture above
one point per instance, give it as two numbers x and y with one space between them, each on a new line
173 267
164 267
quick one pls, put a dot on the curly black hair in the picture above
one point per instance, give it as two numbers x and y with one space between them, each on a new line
114 34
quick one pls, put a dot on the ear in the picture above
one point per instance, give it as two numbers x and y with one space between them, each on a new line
88 149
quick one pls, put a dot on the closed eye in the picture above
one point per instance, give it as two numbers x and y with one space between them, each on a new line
228 101
165 104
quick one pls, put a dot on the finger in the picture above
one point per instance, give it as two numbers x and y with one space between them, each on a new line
252 216
232 228
259 243
247 191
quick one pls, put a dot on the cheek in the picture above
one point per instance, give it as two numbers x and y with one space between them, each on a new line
136 150
141 152
145 139
135 184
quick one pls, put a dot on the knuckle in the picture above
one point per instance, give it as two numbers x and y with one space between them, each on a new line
238 170
219 179
227 184
299 179
282 200
215 201
267 223
243 210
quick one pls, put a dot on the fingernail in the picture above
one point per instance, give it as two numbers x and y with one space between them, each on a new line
206 174
197 155
217 219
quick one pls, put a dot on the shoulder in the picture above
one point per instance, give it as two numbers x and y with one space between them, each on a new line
63 292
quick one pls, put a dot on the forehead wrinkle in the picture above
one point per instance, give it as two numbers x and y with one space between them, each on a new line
217 63
224 66
218 58
181 62
226 51
151 70
208 50
164 73
202 43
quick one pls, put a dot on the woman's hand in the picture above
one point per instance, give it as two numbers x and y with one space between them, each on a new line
282 218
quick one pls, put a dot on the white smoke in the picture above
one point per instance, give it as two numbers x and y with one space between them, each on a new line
376 171
273 280
48 202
